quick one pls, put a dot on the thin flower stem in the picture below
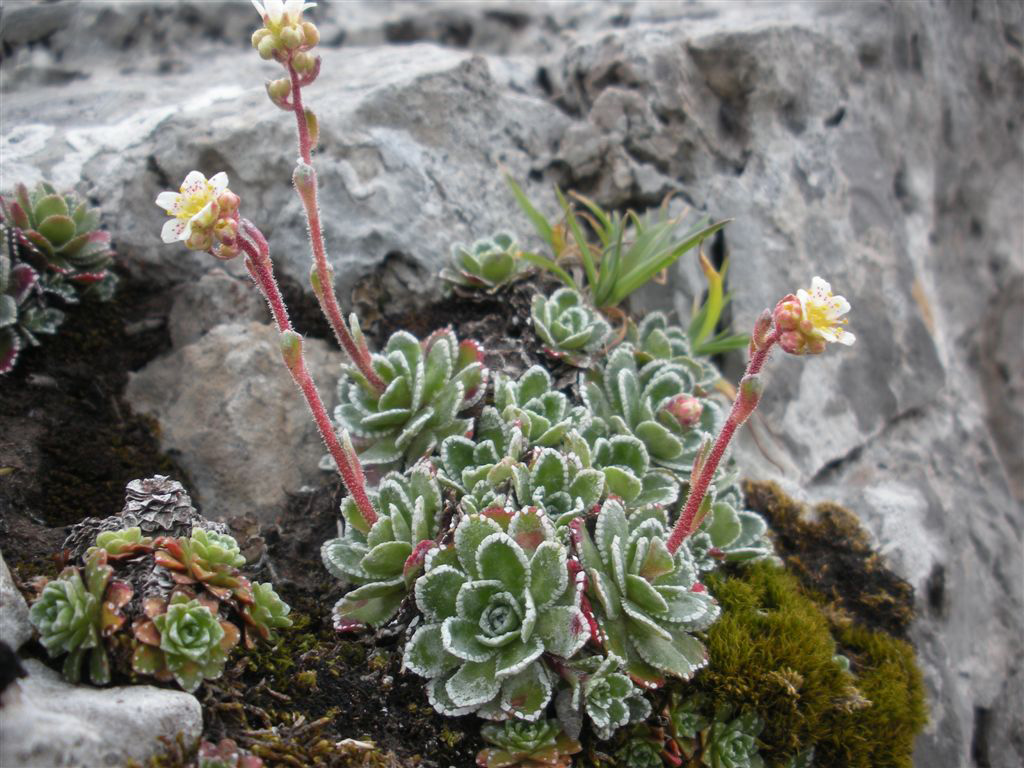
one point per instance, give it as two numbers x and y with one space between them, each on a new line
359 354
687 522
261 269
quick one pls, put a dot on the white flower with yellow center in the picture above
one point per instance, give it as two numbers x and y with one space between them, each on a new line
823 313
277 14
193 207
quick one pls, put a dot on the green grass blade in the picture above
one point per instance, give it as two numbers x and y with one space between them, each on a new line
545 263
539 221
581 241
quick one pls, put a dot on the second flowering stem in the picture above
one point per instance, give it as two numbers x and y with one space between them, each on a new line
257 261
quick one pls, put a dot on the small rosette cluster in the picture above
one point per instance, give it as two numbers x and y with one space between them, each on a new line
719 741
181 605
531 403
489 264
648 601
427 385
384 559
496 605
570 329
77 612
540 744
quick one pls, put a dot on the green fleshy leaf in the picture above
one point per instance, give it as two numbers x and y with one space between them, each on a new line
386 560
549 575
468 538
501 559
564 630
473 684
459 639
526 695
425 654
436 591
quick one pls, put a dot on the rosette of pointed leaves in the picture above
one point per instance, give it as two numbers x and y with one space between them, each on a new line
183 640
654 338
571 331
264 614
609 697
493 605
123 543
543 413
631 401
60 236
733 743
685 717
641 750
427 385
73 616
478 469
207 557
386 558
626 467
648 601
558 483
541 744
488 264
23 311
731 535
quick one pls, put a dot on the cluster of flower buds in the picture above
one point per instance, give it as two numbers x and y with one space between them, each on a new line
284 36
205 215
807 321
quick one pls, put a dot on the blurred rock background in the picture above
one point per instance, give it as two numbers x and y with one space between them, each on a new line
878 144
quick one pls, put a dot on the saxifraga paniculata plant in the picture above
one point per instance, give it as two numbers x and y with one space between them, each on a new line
52 249
488 265
513 607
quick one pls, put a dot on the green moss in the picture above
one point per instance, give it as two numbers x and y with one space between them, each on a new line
772 651
881 734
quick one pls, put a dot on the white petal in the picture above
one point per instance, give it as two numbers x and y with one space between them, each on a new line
219 182
839 306
259 7
274 9
166 200
172 231
804 297
193 181
820 288
847 338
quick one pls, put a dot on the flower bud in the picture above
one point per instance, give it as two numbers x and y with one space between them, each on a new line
228 202
225 252
788 313
304 62
225 230
762 327
304 178
258 36
207 216
267 47
291 37
686 409
792 342
749 396
291 349
310 34
279 90
313 126
199 239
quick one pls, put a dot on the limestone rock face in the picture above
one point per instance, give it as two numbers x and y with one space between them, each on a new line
232 416
15 628
48 723
875 144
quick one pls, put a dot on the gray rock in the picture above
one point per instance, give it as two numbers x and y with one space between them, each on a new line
48 723
15 629
233 418
216 298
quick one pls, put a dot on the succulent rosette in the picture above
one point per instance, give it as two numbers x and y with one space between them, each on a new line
655 338
543 413
733 743
571 330
427 384
558 483
264 614
540 744
648 601
627 470
384 559
73 616
206 557
489 264
609 697
643 402
493 605
183 640
123 543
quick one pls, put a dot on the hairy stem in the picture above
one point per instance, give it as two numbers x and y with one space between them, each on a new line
260 268
359 354
687 522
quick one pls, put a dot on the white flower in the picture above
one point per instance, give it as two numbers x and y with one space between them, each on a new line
274 12
194 206
823 313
